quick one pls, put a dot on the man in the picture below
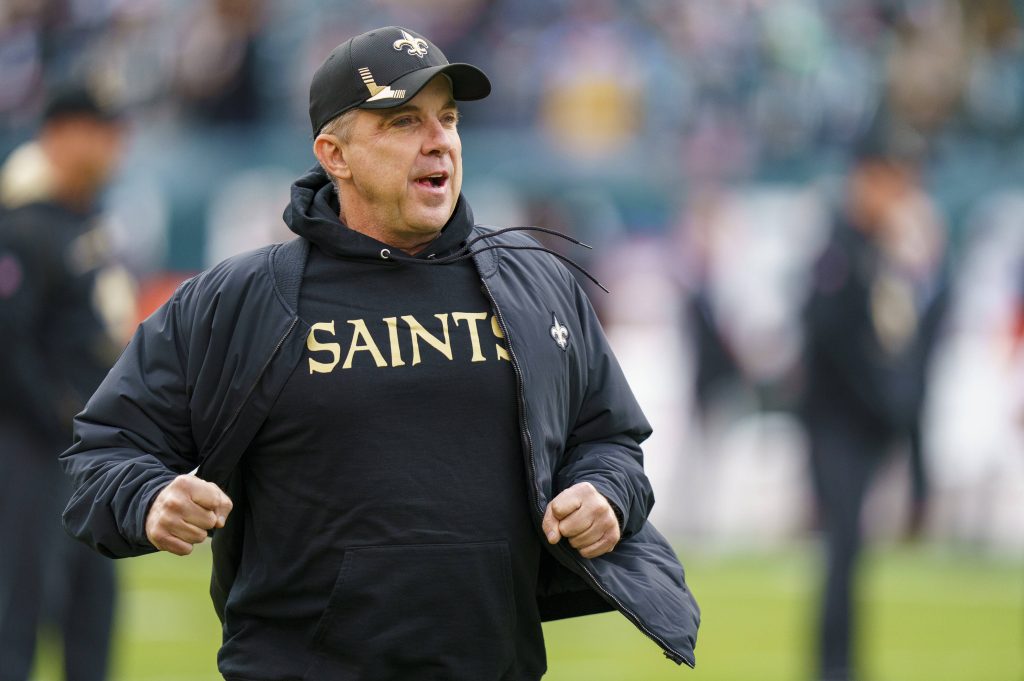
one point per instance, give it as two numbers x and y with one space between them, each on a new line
409 432
871 323
60 297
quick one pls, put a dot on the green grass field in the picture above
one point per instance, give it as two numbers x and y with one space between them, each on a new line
928 615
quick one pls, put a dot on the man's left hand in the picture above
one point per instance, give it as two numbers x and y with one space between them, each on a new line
582 515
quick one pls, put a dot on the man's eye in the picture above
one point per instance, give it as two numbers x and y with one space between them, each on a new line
402 121
450 119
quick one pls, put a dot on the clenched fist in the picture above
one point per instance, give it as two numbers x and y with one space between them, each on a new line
582 515
183 512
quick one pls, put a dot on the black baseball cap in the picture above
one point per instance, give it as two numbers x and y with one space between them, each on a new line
384 68
73 99
889 139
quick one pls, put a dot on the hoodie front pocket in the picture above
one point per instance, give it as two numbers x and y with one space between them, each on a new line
425 611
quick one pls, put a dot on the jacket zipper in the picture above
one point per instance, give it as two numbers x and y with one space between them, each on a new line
525 434
263 370
256 382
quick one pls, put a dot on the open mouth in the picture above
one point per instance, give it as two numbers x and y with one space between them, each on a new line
433 180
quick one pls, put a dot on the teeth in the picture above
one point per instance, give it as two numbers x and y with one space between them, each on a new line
436 179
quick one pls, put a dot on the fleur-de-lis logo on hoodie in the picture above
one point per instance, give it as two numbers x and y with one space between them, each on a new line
559 333
417 46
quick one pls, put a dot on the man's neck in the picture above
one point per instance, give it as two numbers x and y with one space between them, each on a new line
411 245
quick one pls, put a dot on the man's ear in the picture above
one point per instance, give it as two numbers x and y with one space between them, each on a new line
328 150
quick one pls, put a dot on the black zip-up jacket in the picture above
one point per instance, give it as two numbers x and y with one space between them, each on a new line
200 375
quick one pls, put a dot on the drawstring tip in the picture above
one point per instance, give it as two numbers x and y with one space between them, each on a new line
601 286
574 240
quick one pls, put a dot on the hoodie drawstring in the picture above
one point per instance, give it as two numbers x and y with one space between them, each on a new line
467 252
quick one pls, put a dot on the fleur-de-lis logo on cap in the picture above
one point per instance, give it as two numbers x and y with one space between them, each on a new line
559 333
417 46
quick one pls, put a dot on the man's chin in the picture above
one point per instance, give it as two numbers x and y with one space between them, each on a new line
431 221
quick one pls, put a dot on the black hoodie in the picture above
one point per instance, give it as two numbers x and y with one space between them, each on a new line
391 535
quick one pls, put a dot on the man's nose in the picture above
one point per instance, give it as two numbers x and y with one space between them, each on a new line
438 139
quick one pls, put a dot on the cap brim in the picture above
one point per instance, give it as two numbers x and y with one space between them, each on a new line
468 83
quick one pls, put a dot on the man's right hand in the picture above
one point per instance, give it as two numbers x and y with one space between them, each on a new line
183 512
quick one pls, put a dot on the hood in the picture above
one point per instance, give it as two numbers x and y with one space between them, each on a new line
313 214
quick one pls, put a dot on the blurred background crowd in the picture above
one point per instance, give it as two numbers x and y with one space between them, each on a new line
751 174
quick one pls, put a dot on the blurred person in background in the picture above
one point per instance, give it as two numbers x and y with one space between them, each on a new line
217 77
1017 365
871 322
62 303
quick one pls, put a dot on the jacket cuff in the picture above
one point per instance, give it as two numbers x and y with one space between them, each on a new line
618 515
136 533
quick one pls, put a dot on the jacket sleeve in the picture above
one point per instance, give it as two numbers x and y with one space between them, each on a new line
603 446
30 265
132 439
